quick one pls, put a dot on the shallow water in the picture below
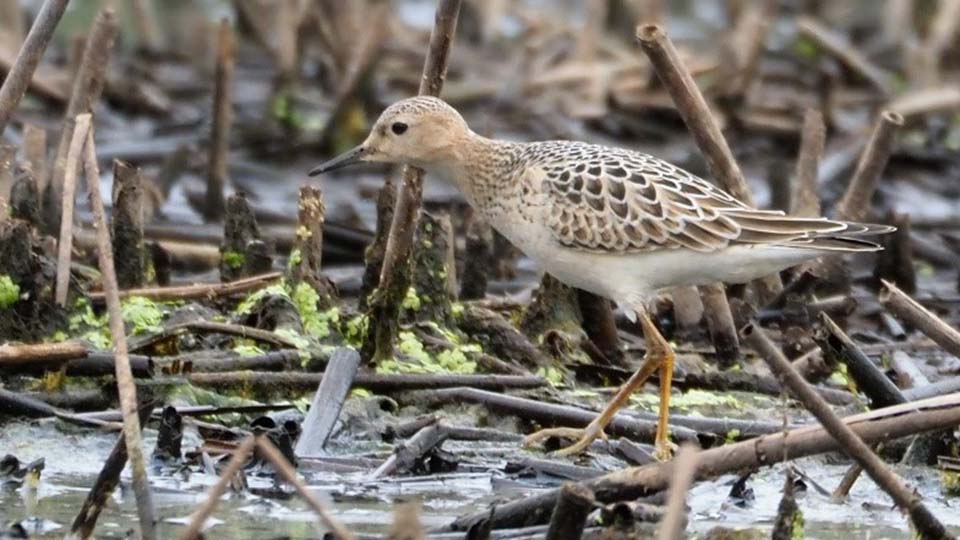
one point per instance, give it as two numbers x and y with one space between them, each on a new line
72 465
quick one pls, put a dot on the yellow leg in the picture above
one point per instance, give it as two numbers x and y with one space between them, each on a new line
659 356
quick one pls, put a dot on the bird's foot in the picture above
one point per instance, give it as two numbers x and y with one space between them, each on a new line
664 450
583 437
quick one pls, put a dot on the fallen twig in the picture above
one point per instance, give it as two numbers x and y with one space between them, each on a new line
237 460
408 452
287 472
853 445
911 312
372 381
41 353
105 484
207 291
874 426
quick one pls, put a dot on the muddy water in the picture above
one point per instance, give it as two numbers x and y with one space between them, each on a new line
72 465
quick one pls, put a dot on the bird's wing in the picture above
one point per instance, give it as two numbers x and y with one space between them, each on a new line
617 201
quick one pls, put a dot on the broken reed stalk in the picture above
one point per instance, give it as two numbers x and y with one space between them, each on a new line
846 53
65 243
289 474
87 86
911 312
394 274
928 526
237 460
805 201
694 110
41 353
125 384
18 78
684 469
701 124
208 291
215 203
855 204
632 482
574 504
106 482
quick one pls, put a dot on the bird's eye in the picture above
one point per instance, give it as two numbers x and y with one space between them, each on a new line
399 128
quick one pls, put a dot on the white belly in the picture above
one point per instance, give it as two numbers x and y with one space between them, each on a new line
632 278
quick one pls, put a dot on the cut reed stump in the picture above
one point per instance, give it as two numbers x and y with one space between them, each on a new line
217 176
394 275
127 226
307 253
243 252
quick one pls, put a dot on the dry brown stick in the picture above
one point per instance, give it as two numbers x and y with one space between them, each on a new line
41 353
239 458
694 110
87 87
125 383
194 292
873 426
846 53
18 78
926 523
65 243
222 118
911 312
926 101
394 279
855 204
287 472
805 201
684 469
701 124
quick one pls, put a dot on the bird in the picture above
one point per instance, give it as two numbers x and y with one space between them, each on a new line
616 222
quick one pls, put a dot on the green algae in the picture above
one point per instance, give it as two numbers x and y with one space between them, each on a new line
9 292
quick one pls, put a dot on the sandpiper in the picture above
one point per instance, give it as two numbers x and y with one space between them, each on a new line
615 222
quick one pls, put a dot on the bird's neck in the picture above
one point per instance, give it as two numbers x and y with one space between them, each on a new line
476 164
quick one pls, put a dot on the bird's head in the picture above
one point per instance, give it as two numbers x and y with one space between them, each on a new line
418 131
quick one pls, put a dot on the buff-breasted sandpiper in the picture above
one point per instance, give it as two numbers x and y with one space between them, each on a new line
615 222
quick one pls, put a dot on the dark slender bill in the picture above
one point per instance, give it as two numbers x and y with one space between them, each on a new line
347 158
